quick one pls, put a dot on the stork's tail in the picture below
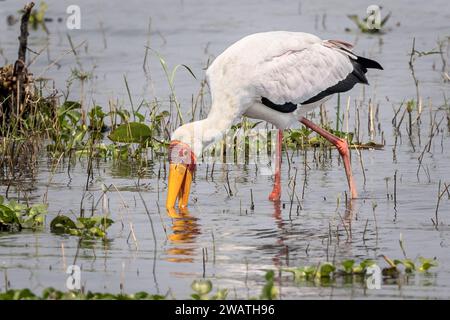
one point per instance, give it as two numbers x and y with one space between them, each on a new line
368 63
346 48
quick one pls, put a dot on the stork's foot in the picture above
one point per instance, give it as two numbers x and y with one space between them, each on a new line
275 195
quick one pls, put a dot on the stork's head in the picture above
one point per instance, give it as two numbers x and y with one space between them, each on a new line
182 159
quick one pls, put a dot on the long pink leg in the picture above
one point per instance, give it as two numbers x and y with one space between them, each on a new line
275 195
342 147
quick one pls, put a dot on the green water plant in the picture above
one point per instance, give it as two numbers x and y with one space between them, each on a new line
363 26
15 216
409 265
87 228
170 76
426 264
37 17
325 271
53 294
68 132
132 132
97 120
202 289
269 290
302 138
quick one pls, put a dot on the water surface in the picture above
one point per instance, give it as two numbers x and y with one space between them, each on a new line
238 244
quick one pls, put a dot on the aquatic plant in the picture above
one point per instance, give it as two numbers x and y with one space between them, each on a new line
38 18
301 139
325 271
320 274
269 291
132 132
86 228
15 216
363 26
409 266
203 287
72 130
53 294
170 76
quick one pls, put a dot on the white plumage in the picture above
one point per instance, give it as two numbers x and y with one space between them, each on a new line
281 66
273 76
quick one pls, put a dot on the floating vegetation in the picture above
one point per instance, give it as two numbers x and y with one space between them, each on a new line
409 266
202 289
15 216
323 272
366 26
86 228
53 294
363 25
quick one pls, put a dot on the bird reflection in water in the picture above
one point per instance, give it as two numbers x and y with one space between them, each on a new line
185 230
281 257
348 217
283 253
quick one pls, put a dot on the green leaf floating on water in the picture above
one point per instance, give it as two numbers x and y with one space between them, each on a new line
361 268
427 264
202 287
348 266
407 263
62 224
7 215
326 270
132 132
93 227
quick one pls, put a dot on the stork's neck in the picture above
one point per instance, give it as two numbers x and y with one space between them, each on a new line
201 134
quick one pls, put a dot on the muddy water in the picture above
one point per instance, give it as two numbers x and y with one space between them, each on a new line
238 244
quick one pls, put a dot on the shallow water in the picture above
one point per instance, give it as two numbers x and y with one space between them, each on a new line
240 243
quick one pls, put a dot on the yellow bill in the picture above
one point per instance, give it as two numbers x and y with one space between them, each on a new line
179 186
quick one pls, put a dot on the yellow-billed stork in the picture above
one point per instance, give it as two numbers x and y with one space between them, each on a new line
273 76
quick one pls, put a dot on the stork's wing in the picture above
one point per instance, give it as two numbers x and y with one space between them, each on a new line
300 75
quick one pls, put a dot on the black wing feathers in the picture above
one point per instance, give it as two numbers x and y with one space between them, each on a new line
284 108
360 66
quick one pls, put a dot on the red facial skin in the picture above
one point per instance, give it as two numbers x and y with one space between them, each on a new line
181 153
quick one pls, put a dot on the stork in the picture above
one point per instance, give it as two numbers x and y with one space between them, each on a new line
277 77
